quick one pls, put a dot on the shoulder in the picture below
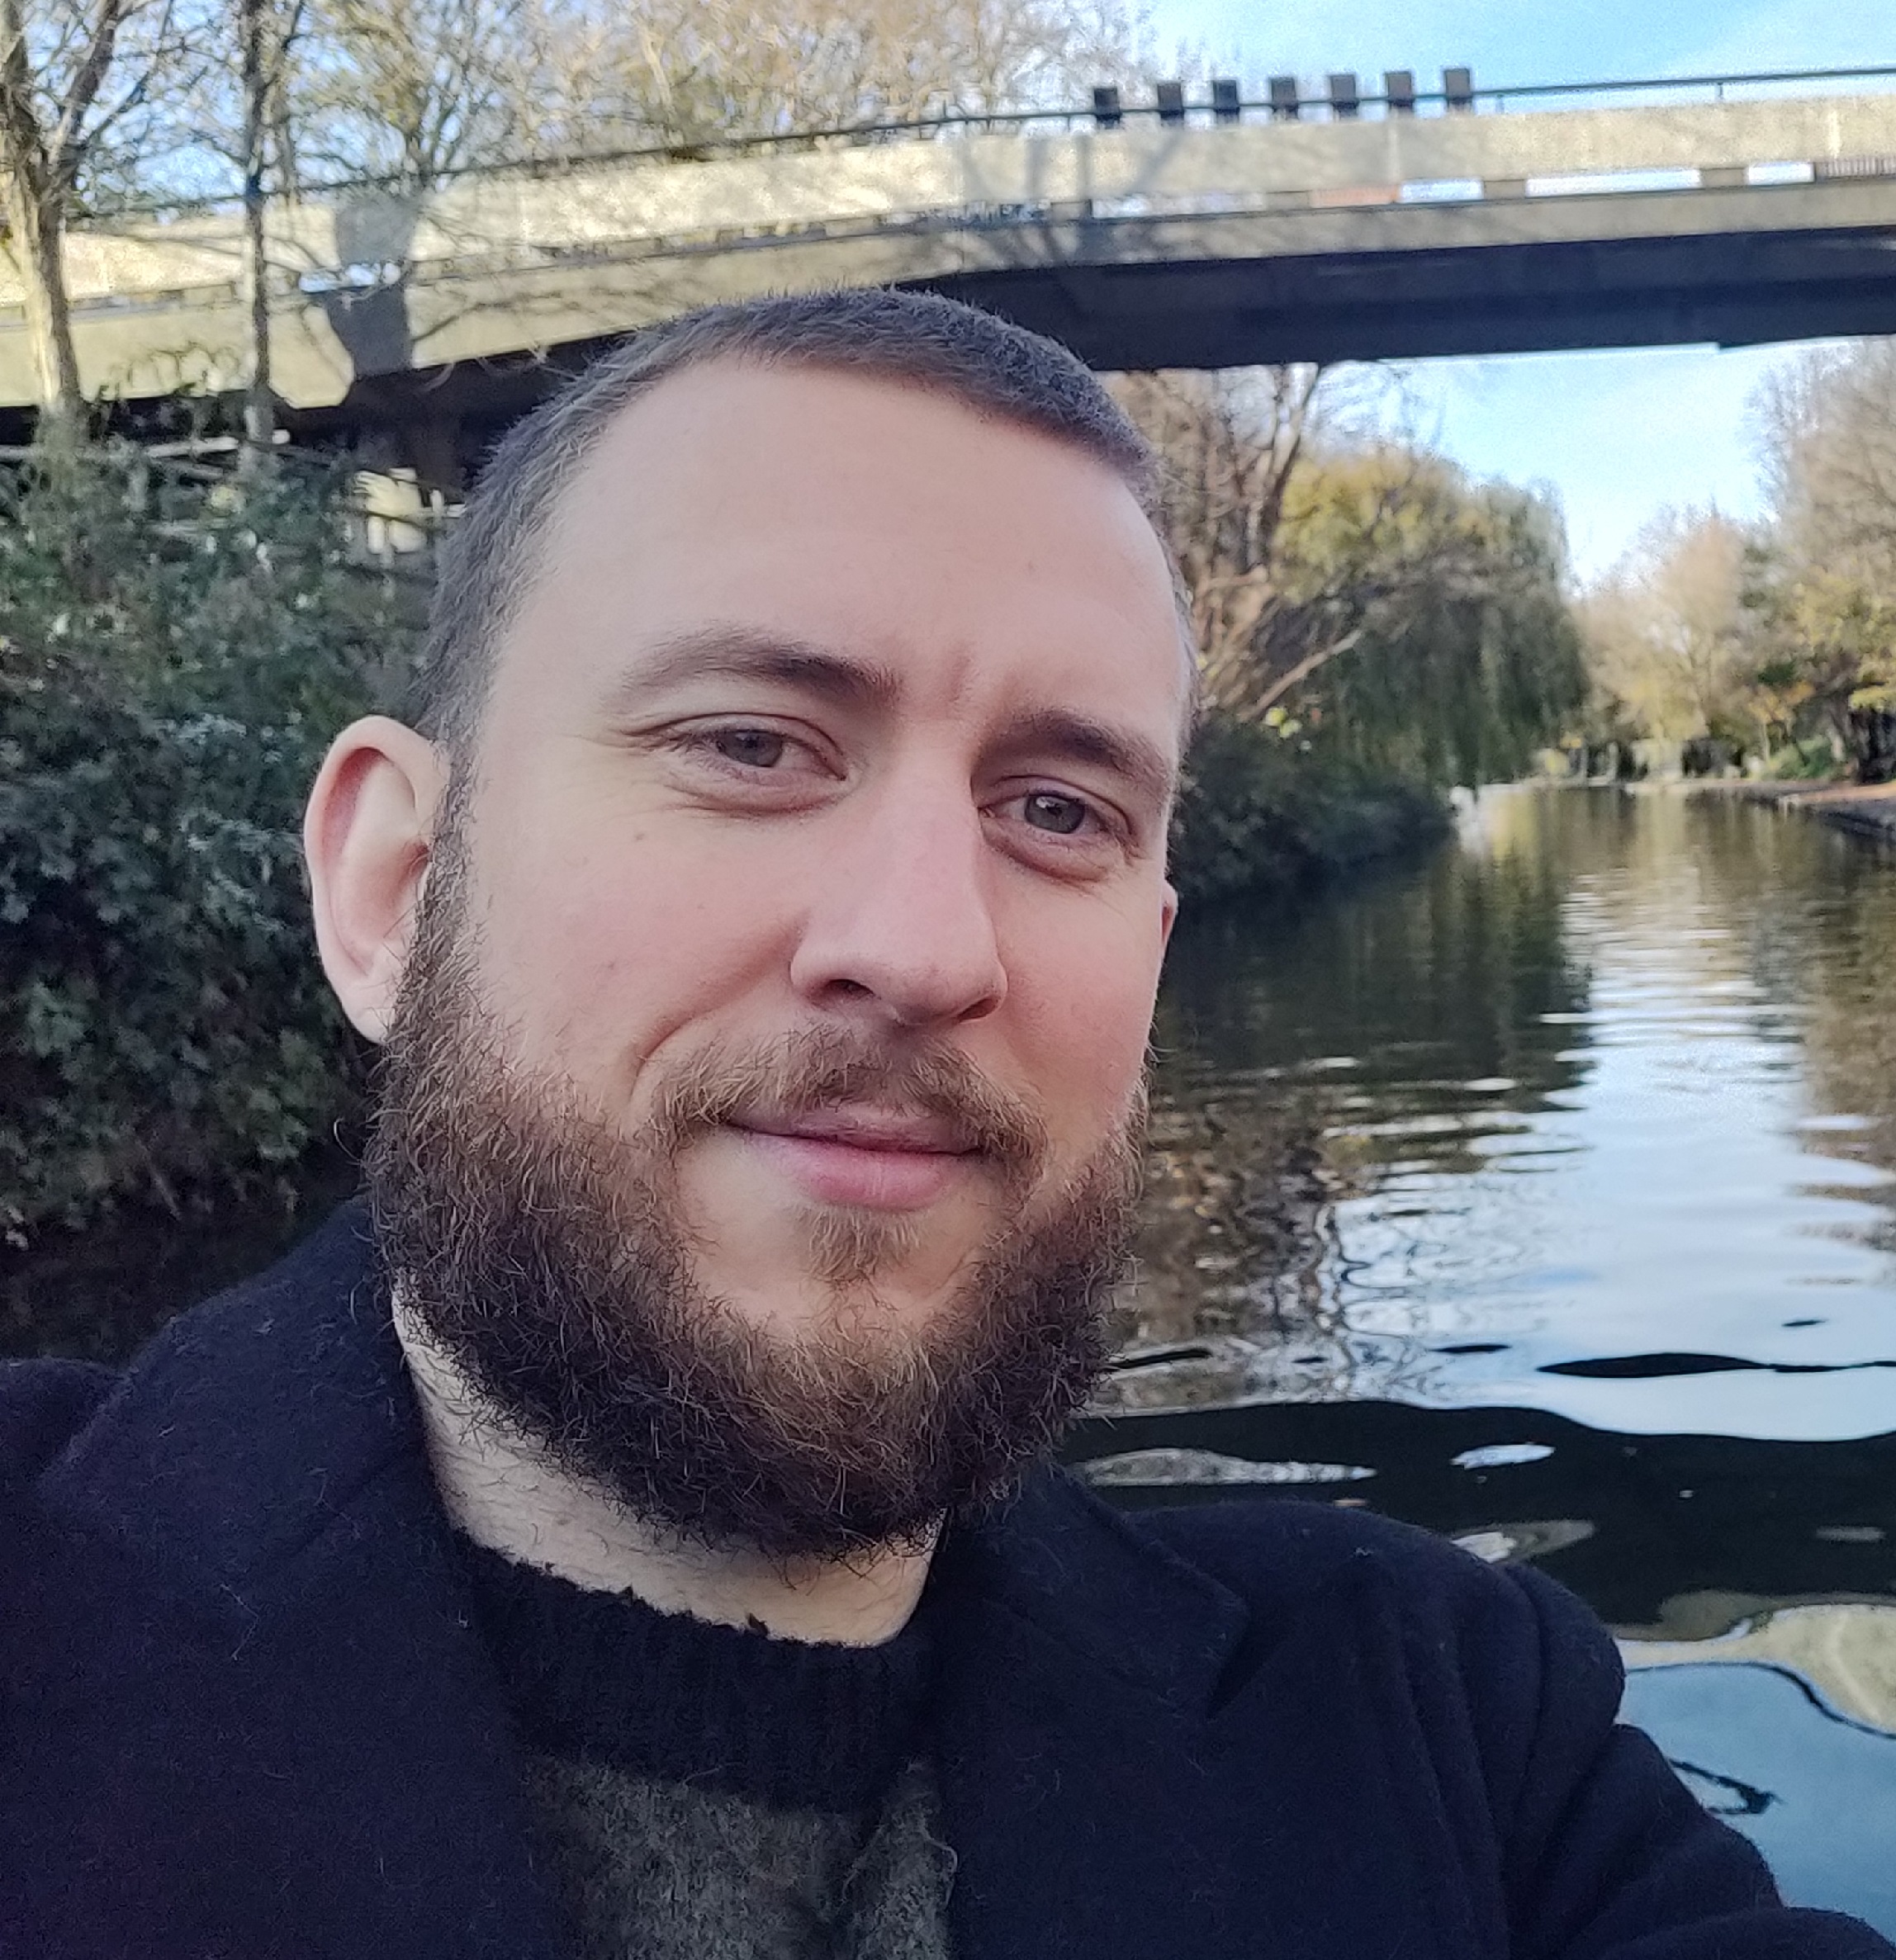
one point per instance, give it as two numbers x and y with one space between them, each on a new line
43 1405
218 1351
1511 1686
1266 1549
1502 1652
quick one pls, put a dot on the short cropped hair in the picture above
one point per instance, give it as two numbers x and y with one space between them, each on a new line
913 339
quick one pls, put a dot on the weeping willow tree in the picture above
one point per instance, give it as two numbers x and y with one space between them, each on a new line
1372 625
1471 660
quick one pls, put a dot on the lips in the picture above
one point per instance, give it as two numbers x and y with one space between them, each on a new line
867 1130
877 1159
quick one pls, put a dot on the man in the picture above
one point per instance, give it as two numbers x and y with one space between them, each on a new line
626 1535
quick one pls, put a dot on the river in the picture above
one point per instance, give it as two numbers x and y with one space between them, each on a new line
1544 1193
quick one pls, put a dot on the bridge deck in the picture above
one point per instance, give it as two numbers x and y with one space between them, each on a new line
1142 247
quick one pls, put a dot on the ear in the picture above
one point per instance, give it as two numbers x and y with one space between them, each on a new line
366 838
1170 916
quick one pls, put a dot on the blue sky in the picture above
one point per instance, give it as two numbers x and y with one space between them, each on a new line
1617 434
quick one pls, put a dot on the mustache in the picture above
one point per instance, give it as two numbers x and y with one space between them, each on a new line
808 1071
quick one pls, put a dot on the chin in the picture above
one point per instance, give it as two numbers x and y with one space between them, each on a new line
852 1281
850 1247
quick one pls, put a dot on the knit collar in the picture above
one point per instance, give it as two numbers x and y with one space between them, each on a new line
804 1724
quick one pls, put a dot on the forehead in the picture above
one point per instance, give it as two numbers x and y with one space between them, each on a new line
964 551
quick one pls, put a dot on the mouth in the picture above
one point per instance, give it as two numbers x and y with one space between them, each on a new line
878 1160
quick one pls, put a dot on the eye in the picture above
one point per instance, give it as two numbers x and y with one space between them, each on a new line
755 748
1064 816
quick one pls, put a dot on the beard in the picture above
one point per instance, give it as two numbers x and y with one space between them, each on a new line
545 1254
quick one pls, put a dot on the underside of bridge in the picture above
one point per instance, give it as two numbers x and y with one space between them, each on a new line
1400 281
1731 287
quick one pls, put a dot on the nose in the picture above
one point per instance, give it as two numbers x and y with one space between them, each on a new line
903 923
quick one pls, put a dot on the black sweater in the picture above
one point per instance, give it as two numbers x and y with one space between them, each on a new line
706 1792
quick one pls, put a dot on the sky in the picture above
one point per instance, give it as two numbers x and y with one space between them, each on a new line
1617 434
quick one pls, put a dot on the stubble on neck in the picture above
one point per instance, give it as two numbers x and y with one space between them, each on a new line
501 1489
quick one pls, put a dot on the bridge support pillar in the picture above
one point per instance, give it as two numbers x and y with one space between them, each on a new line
433 448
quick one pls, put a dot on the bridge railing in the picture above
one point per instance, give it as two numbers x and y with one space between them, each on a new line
1219 103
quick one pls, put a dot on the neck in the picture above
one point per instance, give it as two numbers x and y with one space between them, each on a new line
499 1488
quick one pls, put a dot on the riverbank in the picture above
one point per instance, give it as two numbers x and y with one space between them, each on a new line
1868 809
1864 809
1256 818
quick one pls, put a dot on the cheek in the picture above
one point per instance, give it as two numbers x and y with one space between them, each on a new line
599 954
1084 999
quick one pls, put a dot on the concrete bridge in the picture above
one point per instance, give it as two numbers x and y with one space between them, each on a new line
1147 245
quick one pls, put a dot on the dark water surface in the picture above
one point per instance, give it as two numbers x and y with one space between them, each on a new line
1545 1194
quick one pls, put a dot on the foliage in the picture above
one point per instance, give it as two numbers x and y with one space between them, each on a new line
1780 639
1372 626
1468 661
1412 621
173 659
1668 635
1257 813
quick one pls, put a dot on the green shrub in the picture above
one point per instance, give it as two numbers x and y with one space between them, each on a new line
1803 761
173 659
1256 812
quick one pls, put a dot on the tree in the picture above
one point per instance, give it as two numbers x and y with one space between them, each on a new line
1467 660
81 88
412 91
687 72
1231 446
1305 533
1371 625
1826 585
1672 648
263 41
1779 634
1828 430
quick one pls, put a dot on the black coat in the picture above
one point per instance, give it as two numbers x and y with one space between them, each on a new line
245 1712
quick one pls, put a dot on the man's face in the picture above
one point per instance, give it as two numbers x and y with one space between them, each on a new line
837 714
760 1119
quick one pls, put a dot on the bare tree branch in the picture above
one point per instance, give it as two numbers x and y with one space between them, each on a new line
81 91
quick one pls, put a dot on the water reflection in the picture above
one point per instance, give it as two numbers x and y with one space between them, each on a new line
1592 1115
1811 1789
1546 1195
1844 1649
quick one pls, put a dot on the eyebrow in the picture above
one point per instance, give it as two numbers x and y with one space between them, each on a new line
1060 732
749 653
745 653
